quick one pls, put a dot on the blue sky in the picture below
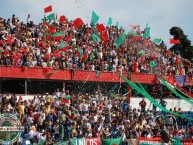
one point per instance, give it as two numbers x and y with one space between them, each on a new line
161 15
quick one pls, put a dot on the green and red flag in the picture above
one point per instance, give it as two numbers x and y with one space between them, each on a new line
85 57
62 45
58 36
79 52
66 99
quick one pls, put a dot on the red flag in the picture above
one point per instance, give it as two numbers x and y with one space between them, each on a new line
67 48
47 57
58 38
104 37
62 18
78 23
68 38
48 9
10 39
2 41
85 57
174 41
177 60
100 27
145 42
51 30
137 38
65 100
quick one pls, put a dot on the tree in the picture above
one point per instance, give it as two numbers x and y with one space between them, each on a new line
184 48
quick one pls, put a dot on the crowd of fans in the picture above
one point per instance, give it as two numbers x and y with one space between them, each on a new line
24 44
52 118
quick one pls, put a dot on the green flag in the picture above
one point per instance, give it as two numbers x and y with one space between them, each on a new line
110 21
41 141
95 38
92 56
147 31
119 41
58 36
62 45
152 64
141 52
117 25
157 41
95 18
51 17
112 141
43 19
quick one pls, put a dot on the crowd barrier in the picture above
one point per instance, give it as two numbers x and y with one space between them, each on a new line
79 75
117 141
152 141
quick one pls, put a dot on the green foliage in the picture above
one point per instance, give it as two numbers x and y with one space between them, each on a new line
184 48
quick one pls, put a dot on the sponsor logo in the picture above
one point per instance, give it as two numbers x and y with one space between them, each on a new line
10 128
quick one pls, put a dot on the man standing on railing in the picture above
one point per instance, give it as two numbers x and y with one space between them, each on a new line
163 103
143 105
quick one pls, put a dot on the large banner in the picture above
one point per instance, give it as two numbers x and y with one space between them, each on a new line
149 141
77 141
112 141
85 141
93 141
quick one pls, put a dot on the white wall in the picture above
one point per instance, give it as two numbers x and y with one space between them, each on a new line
171 103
